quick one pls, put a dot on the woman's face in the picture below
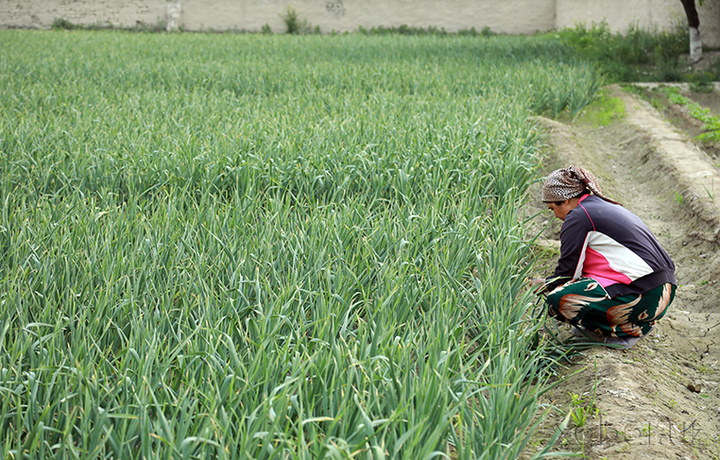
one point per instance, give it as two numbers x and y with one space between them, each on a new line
560 210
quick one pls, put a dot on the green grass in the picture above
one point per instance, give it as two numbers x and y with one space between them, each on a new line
234 246
604 109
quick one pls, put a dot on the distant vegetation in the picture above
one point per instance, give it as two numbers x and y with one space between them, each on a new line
638 55
64 24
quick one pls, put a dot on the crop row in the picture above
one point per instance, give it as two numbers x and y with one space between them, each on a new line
271 247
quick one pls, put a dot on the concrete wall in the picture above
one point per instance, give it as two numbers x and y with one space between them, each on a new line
710 23
348 15
621 14
504 16
40 14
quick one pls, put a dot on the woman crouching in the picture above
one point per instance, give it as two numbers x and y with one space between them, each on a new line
613 281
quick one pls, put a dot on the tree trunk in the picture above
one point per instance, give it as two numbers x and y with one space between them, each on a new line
694 29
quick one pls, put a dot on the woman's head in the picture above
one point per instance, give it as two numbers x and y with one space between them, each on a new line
568 183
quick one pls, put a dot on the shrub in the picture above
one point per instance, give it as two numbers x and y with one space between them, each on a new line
295 24
638 55
63 24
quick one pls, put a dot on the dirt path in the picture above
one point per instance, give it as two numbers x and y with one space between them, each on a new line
660 399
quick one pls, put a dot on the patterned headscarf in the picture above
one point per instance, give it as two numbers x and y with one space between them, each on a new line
563 184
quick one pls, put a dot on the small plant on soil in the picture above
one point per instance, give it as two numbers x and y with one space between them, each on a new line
582 409
678 198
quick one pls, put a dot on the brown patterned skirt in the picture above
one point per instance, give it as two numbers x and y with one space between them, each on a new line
585 303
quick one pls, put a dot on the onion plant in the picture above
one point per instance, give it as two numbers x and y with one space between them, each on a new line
240 246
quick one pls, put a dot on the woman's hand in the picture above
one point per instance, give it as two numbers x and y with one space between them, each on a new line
538 284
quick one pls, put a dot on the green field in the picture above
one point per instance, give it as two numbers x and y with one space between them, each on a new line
246 246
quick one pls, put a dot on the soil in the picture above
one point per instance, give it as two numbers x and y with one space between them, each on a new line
661 398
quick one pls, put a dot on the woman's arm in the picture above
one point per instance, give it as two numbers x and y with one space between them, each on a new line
573 235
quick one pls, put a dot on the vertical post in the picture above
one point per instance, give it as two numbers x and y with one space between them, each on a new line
174 13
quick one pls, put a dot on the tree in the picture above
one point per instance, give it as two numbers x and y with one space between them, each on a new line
694 29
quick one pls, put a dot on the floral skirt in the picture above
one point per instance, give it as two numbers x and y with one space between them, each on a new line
585 303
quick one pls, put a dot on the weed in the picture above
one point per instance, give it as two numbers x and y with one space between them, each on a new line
710 194
637 55
581 410
295 25
678 198
605 109
705 369
647 431
658 103
580 415
625 446
702 82
64 24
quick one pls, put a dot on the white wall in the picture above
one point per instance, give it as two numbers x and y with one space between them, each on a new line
621 14
348 15
119 13
710 22
504 16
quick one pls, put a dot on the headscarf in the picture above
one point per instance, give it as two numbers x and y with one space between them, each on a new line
566 183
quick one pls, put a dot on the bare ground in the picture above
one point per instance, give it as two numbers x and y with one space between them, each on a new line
661 398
